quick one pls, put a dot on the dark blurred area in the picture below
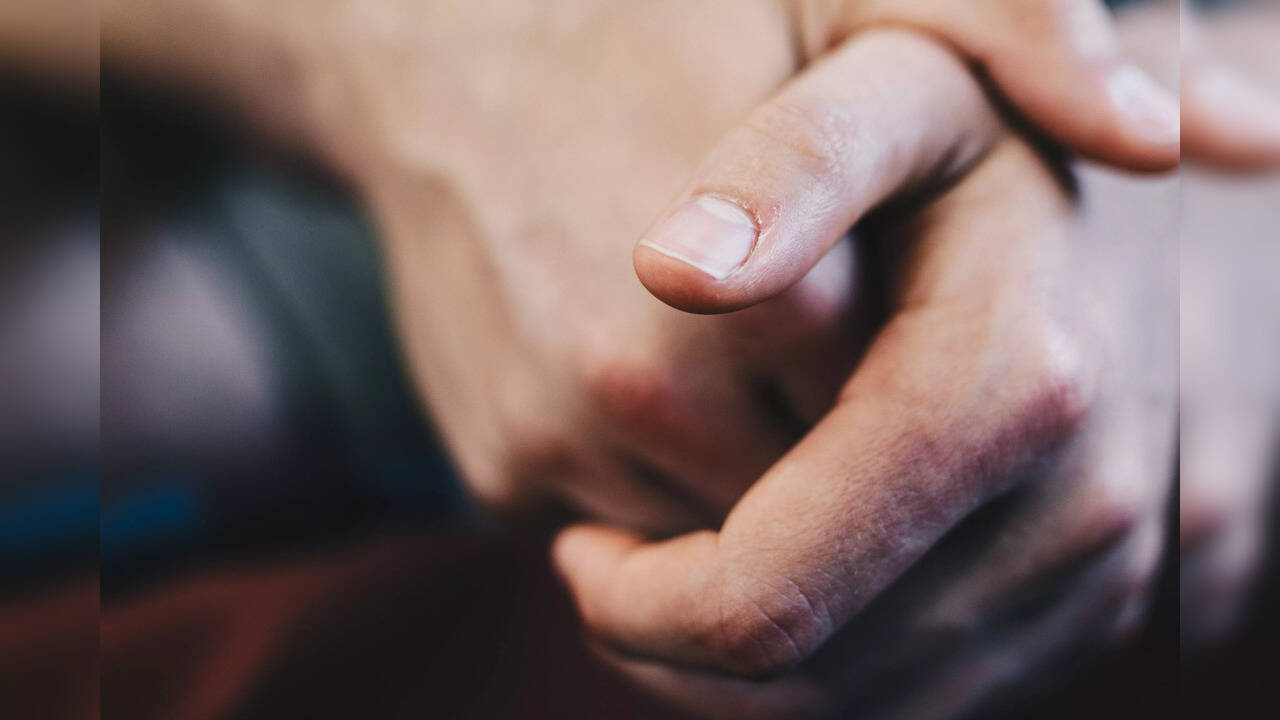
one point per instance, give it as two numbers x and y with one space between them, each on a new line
242 309
49 395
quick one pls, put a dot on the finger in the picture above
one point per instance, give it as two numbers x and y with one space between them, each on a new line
1105 499
1228 120
684 423
955 397
610 490
931 681
857 502
1059 64
883 114
713 697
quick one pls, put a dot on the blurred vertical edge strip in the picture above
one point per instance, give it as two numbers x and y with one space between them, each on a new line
49 360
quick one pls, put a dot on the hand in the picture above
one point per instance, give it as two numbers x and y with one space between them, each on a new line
1056 61
507 150
985 500
509 157
549 370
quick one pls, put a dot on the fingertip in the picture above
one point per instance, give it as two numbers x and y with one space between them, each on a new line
694 259
1149 118
1107 110
585 552
1149 110
683 285
1231 121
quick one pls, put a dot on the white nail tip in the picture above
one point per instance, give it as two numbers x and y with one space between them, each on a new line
708 234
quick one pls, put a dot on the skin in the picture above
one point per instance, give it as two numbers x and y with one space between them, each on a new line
589 394
1070 44
999 391
1230 112
512 159
54 43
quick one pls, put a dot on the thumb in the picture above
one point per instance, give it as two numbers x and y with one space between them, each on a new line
886 113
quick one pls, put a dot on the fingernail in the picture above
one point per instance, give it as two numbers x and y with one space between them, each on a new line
1151 110
710 234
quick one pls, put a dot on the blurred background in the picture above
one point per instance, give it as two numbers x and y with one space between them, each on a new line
220 499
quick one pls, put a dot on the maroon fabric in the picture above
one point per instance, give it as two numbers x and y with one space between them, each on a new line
49 652
448 626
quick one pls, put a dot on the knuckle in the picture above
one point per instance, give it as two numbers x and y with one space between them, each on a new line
628 389
1115 521
528 447
1054 389
532 451
752 638
541 453
1109 521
